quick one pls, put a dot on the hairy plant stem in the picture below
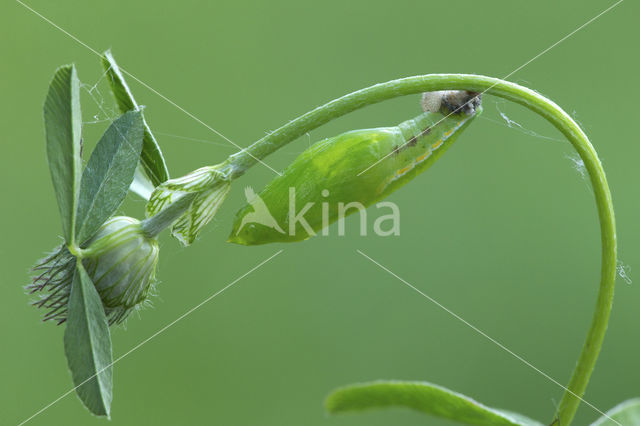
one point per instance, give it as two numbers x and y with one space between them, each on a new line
237 164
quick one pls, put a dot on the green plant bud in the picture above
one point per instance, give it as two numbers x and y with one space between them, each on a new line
356 168
120 260
210 188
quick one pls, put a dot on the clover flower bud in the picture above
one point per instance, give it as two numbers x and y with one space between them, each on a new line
120 260
207 185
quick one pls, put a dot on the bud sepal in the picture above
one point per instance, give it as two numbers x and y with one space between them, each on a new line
207 186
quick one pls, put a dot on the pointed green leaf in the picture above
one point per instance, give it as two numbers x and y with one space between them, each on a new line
422 396
87 345
63 127
151 158
626 413
109 173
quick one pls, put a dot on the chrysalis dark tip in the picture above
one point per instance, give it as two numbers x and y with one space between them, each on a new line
451 102
461 102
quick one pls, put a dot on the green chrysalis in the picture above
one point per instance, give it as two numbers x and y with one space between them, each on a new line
360 166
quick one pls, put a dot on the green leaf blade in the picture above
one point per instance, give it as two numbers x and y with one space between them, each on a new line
151 159
109 173
63 134
87 345
626 413
421 396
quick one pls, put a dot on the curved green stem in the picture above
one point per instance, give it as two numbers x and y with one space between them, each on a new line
237 164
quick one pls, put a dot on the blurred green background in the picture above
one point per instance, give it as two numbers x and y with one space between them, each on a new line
502 230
